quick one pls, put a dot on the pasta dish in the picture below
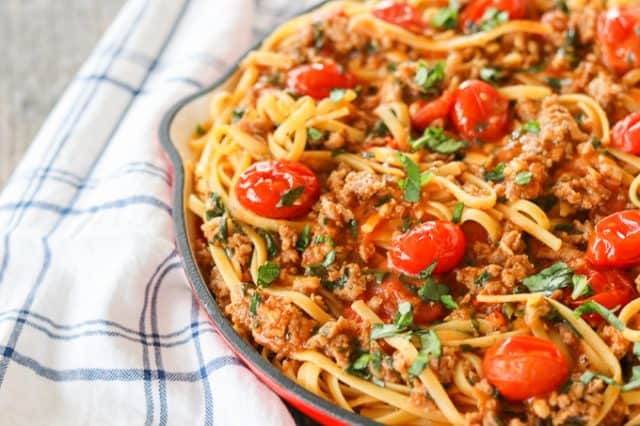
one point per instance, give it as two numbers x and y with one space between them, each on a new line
427 213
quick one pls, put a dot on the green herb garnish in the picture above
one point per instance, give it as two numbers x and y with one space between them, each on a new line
495 175
289 197
550 279
267 273
430 79
523 178
412 184
593 307
436 140
457 212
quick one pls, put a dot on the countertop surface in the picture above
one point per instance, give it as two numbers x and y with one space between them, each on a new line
43 43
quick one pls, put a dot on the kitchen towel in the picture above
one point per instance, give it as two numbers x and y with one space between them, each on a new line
98 325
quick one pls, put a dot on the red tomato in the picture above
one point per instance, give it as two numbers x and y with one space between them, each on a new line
479 111
626 134
525 366
615 241
439 240
317 80
424 112
475 11
612 289
393 292
619 38
261 187
400 14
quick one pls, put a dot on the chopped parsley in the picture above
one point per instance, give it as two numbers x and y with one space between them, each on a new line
223 230
447 17
217 209
353 228
304 239
267 273
378 276
531 127
319 239
379 129
289 197
556 83
436 140
314 134
200 131
523 178
581 287
550 279
402 320
482 278
562 6
329 258
491 75
413 182
495 175
457 212
336 95
589 375
593 307
237 114
492 18
448 301
272 247
255 301
429 346
318 35
429 79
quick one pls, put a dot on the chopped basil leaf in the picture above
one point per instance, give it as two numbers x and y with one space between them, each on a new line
412 183
425 177
433 291
531 127
429 79
314 134
268 273
446 17
593 307
304 239
457 212
404 317
361 362
383 200
448 301
289 197
218 207
319 239
391 67
318 35
491 75
406 224
523 178
546 202
436 140
418 365
379 129
329 259
562 5
428 271
377 382
378 276
596 143
550 279
200 131
429 346
634 381
353 228
555 83
589 375
495 175
376 360
223 230
337 95
492 18
581 287
255 301
237 114
272 247
380 331
482 278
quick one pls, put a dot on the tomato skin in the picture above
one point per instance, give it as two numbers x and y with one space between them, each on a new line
418 248
612 288
626 134
479 111
618 38
474 12
615 240
525 366
400 14
424 112
261 186
317 80
393 292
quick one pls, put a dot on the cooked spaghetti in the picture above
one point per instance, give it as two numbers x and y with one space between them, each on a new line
426 213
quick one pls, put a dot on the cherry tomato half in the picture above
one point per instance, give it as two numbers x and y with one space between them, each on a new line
400 14
317 80
424 112
615 240
393 292
612 288
262 186
476 10
525 366
479 111
619 38
626 134
439 240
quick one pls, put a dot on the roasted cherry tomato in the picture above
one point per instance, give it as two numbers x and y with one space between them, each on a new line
479 111
525 366
475 11
612 288
437 240
424 112
272 189
615 241
392 292
400 14
317 80
619 38
626 134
